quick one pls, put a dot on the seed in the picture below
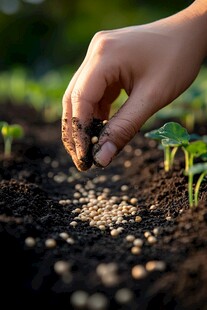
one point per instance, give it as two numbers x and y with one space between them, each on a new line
105 122
30 242
153 207
138 242
138 219
124 188
147 234
124 296
79 299
130 238
156 231
151 240
110 279
114 232
168 218
70 240
133 201
50 243
127 163
97 301
135 250
138 272
155 265
64 235
94 140
73 223
61 267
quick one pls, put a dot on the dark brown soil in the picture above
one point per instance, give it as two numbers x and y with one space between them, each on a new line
40 174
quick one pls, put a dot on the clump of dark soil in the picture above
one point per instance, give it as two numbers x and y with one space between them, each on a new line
38 187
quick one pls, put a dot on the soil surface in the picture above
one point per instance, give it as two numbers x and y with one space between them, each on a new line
38 194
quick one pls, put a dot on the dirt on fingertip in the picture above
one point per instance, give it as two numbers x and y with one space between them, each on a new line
88 132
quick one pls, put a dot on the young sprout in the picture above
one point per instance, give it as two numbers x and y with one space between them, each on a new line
9 133
171 136
194 150
201 169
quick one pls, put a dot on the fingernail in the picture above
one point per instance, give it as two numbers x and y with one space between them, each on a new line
104 156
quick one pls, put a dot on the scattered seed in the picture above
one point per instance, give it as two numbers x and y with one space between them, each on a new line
138 242
73 223
79 299
153 207
124 296
135 250
64 235
114 233
155 265
138 219
50 243
130 238
61 267
168 218
97 301
138 272
156 231
105 122
133 201
70 240
147 234
124 188
30 242
151 240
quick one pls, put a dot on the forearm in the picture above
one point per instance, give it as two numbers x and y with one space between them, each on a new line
195 18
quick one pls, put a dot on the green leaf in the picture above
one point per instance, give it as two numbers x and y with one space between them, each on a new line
198 168
174 133
197 148
171 134
16 131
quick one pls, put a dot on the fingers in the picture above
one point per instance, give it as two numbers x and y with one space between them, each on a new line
122 127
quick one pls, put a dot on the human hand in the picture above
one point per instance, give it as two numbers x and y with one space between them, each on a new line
154 63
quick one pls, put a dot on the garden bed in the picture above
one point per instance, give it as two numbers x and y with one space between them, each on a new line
40 189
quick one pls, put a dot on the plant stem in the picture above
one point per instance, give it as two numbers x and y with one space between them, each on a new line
197 187
167 158
7 146
190 182
186 159
172 156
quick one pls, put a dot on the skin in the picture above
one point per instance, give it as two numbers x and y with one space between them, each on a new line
154 63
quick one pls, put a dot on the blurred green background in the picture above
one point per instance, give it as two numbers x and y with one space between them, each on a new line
42 43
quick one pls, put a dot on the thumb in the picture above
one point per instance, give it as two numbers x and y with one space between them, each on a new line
121 128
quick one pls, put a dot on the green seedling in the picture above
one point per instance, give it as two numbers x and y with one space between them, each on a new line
9 133
193 150
171 136
201 169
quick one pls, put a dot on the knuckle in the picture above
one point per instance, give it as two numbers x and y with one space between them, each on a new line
103 42
126 130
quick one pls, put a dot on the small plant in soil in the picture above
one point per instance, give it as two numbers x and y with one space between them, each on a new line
171 136
200 168
9 133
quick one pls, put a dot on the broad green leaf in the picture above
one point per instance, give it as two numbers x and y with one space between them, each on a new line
16 131
197 148
175 132
171 134
154 134
198 168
